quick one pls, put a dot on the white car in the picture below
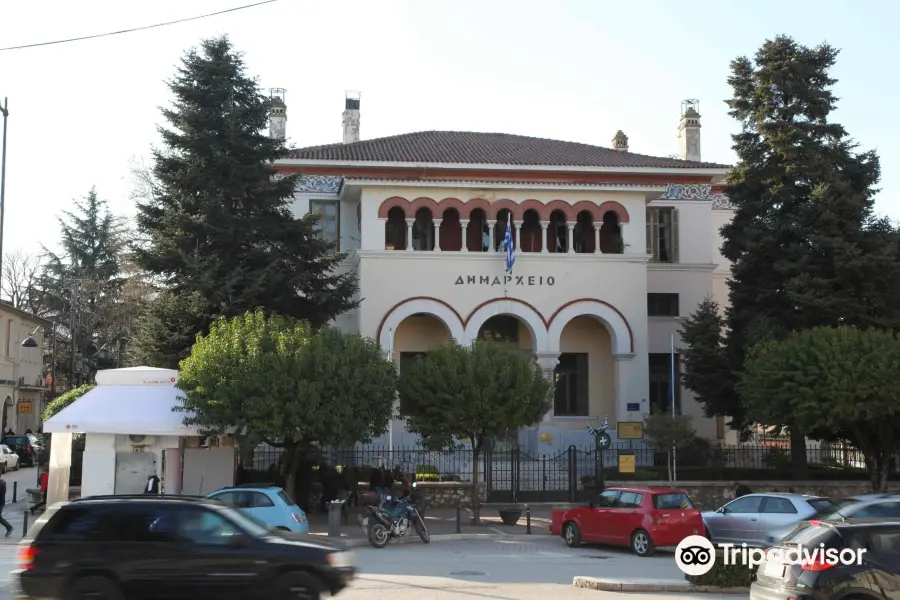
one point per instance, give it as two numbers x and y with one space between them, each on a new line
9 460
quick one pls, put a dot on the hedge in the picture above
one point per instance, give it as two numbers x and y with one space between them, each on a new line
726 576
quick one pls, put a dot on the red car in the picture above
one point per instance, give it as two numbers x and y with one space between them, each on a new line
641 518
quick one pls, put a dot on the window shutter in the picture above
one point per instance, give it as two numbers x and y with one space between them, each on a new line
651 216
675 228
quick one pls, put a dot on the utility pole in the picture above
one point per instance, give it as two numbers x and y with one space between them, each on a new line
5 111
72 299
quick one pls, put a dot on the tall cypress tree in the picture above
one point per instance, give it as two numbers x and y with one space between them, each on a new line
218 225
805 247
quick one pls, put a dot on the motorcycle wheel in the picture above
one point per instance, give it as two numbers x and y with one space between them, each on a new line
378 534
422 531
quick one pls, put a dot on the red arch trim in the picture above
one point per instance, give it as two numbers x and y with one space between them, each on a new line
616 310
614 207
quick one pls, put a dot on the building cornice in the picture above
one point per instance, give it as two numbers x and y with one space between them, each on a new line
518 185
521 258
696 267
681 171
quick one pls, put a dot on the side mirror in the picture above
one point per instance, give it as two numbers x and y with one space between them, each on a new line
722 510
238 540
591 504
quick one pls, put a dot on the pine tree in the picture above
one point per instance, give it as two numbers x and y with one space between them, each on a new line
218 223
804 244
80 284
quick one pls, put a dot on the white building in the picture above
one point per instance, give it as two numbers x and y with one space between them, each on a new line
612 247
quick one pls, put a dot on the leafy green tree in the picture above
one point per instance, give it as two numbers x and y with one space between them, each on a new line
669 432
804 244
841 380
277 380
478 392
214 218
64 400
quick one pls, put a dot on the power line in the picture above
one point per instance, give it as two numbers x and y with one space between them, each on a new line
99 35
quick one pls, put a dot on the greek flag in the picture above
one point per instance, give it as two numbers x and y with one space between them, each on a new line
604 424
510 247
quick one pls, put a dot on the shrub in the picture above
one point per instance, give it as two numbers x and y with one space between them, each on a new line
722 575
427 473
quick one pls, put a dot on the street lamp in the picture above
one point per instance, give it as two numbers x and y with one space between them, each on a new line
30 342
5 111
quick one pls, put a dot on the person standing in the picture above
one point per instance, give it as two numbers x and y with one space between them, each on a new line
43 482
3 521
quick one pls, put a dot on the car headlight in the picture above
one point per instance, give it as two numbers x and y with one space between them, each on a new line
341 559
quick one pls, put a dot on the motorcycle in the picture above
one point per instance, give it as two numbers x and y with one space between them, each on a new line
394 519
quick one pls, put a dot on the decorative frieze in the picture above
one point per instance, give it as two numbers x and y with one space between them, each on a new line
697 191
315 184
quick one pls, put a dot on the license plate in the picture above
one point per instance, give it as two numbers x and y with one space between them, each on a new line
773 569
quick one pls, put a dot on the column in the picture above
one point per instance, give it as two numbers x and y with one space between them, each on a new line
518 236
409 227
597 237
571 237
631 383
491 225
465 246
626 246
547 363
544 244
437 234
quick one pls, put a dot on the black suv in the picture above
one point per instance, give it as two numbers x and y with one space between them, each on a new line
826 576
144 547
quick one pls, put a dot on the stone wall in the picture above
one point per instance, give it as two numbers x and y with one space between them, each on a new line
710 495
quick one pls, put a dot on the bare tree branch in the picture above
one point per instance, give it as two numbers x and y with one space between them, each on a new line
22 282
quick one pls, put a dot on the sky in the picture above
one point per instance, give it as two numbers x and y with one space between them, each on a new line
83 113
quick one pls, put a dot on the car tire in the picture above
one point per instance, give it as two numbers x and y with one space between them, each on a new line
2 468
282 528
572 535
298 586
96 588
641 543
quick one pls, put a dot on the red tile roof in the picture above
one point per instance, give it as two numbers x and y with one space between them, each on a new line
467 147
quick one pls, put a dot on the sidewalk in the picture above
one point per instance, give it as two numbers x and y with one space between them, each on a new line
15 514
442 522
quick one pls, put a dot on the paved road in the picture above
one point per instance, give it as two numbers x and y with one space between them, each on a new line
497 570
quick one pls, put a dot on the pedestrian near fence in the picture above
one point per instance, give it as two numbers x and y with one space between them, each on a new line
3 521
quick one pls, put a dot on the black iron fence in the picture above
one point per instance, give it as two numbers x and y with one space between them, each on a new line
571 474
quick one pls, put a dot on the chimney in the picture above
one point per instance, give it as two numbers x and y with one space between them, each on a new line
351 117
277 114
620 142
689 130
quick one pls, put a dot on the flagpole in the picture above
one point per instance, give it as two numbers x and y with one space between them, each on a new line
672 395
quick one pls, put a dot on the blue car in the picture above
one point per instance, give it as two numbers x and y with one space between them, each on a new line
267 504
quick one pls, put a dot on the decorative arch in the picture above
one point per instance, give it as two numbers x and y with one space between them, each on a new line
476 203
499 205
588 206
418 305
520 309
390 203
614 207
418 203
446 203
619 330
522 208
558 205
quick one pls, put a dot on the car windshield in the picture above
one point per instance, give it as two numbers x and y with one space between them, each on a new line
251 525
287 499
835 511
810 536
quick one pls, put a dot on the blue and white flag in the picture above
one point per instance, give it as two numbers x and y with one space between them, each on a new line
604 425
510 247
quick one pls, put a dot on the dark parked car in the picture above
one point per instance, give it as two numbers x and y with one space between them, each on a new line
876 576
26 447
145 547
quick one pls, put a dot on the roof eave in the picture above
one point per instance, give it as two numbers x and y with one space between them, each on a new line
425 183
304 162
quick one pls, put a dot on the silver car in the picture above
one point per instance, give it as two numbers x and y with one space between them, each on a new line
865 506
755 518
